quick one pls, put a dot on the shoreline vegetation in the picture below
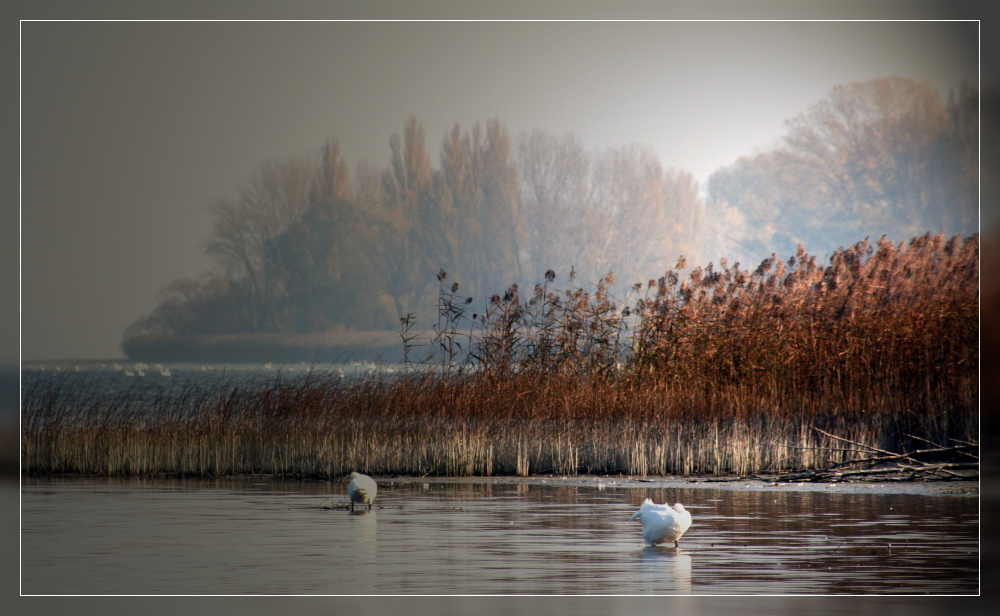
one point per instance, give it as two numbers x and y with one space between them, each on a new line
788 367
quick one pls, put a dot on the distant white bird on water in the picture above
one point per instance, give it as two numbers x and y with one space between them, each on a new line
362 489
662 523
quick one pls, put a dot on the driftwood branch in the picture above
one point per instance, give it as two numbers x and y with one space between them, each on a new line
896 466
918 438
964 445
823 432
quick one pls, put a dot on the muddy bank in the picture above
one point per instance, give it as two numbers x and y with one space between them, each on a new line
925 488
929 488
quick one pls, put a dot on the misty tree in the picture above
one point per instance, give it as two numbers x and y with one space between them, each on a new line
614 210
304 246
960 157
327 280
309 256
473 225
313 256
394 239
641 214
189 307
753 210
331 181
684 230
495 252
273 199
554 173
451 219
885 156
307 247
366 185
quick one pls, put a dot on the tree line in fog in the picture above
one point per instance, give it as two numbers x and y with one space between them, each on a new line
307 245
885 157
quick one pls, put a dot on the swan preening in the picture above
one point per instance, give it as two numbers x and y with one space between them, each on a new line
662 523
362 489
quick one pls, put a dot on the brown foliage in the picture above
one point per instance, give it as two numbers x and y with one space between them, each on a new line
723 371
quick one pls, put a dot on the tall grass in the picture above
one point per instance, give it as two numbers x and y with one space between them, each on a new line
907 314
722 371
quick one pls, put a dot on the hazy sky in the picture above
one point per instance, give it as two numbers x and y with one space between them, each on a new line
130 129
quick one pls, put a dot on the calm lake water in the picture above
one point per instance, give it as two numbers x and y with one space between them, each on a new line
248 536
140 380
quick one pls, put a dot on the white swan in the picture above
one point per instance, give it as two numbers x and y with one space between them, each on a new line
362 489
662 523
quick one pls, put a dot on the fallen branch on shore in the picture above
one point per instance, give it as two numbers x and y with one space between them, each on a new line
890 466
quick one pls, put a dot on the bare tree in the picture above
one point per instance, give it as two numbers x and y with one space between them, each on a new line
883 156
366 186
614 210
502 225
274 197
453 216
393 244
554 186
332 181
628 201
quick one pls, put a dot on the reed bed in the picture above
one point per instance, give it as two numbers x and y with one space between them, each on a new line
518 424
723 371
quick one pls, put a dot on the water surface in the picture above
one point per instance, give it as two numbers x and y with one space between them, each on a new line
247 536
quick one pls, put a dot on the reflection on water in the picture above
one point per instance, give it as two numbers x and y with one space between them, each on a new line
434 537
661 562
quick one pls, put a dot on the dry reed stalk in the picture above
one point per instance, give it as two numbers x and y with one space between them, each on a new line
721 372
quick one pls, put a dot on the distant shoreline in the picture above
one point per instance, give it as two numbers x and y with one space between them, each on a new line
321 348
766 483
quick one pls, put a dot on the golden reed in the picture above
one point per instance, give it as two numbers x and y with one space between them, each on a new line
720 371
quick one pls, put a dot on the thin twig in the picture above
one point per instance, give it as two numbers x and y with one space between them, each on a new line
853 442
917 438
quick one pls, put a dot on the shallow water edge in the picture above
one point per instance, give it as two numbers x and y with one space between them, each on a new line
500 535
758 483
